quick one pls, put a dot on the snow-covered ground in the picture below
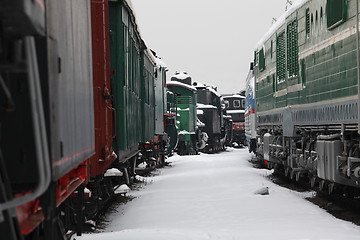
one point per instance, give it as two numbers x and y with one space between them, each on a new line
208 197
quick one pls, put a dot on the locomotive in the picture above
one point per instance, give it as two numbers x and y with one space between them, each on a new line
306 71
217 125
250 124
235 107
185 98
80 110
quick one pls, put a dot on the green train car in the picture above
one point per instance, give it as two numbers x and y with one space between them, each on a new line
185 99
132 84
307 78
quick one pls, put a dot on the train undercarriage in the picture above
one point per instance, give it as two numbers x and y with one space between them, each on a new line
327 156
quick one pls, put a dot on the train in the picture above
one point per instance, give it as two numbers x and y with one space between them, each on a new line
250 123
306 95
235 107
184 108
217 124
202 122
84 102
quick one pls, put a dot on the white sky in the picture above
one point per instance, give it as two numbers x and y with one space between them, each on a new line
212 40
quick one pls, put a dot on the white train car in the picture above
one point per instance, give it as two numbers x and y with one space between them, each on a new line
250 124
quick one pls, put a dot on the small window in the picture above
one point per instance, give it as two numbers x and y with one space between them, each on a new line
243 103
336 12
236 104
261 60
227 104
271 49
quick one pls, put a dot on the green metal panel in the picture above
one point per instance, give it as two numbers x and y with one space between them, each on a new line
147 97
323 73
185 100
125 79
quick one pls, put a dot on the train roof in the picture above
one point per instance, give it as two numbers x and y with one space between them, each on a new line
234 111
296 5
233 96
160 63
180 84
203 106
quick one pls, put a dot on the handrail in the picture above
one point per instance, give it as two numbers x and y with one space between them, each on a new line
40 139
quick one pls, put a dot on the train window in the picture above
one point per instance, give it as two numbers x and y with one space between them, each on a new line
236 104
336 13
227 104
271 49
243 103
307 19
261 60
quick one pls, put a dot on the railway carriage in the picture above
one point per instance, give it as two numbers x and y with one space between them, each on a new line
235 107
250 124
209 101
185 99
307 98
79 100
47 127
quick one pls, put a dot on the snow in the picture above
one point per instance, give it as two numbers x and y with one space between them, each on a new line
160 63
203 106
234 96
177 83
234 111
214 91
113 172
122 189
296 5
211 197
181 75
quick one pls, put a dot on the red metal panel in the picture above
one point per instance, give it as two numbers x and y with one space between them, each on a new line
101 75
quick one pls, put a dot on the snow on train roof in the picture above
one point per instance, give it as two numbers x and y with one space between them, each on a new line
181 75
296 5
180 84
234 111
160 63
233 96
203 106
214 91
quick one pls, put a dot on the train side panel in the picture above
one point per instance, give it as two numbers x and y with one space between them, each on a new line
104 156
70 91
125 67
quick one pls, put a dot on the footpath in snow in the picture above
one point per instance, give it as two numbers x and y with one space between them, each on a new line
208 197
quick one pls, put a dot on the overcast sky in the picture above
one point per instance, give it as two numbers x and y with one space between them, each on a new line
213 40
